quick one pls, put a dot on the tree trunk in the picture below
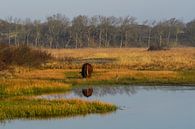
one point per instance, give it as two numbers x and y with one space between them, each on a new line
140 40
176 38
149 38
15 40
88 41
27 39
51 43
168 38
9 38
68 42
126 38
106 43
36 41
160 40
121 42
100 39
93 40
76 41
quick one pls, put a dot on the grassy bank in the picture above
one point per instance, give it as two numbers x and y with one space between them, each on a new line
18 90
38 108
133 77
27 87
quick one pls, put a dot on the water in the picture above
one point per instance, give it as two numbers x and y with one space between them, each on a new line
164 107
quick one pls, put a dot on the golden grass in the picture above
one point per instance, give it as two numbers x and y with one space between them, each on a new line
28 86
132 58
33 81
137 74
41 74
134 63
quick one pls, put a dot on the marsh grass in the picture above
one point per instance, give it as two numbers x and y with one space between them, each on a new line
128 58
17 96
38 108
125 76
19 87
27 81
126 65
187 76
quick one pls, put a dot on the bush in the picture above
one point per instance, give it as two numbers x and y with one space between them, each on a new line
22 56
25 56
6 55
156 48
2 66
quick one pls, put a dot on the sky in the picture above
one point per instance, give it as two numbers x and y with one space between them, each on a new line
141 9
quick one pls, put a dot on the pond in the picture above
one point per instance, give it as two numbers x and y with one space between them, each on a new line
140 107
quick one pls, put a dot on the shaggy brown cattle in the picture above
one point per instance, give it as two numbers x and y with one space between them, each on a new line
87 92
87 70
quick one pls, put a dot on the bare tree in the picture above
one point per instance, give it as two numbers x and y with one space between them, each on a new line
79 24
9 20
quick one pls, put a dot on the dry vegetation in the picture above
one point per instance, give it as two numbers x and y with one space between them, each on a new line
128 58
21 56
126 65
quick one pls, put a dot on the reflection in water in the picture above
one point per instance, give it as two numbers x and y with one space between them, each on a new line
87 92
107 90
101 91
96 91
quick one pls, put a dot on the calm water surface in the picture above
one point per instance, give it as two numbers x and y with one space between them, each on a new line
166 107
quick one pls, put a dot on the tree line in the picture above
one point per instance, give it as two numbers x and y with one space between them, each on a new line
58 31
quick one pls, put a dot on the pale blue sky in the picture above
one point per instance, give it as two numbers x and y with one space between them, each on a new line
141 9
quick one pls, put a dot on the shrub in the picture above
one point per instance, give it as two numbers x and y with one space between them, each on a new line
22 56
2 66
26 56
6 55
156 48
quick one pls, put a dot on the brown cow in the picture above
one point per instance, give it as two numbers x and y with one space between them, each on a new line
87 92
87 70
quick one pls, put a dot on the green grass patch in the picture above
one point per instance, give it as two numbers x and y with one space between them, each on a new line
2 91
38 108
31 91
187 77
182 78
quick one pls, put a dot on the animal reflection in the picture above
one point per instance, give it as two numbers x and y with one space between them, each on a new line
87 92
107 90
